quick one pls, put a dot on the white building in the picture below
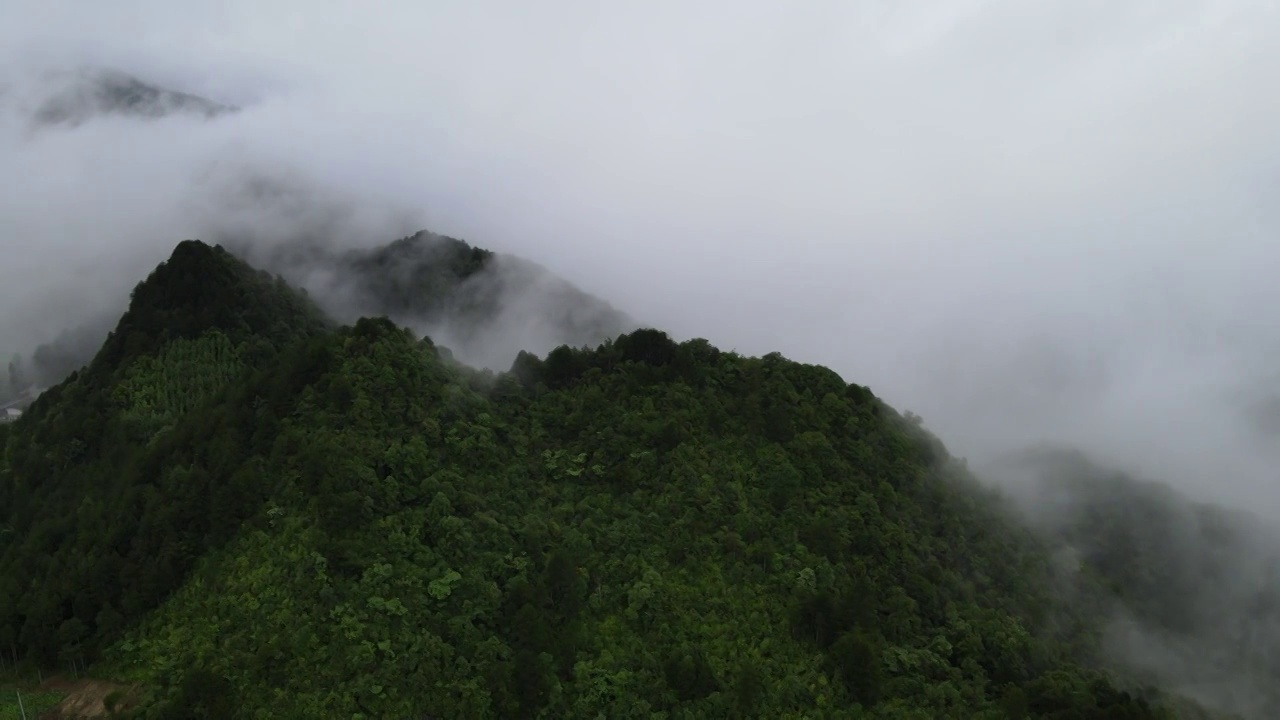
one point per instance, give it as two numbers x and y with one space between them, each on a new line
10 414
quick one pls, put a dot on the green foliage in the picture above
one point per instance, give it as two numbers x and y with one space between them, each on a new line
419 275
346 524
103 518
441 281
33 703
154 391
200 289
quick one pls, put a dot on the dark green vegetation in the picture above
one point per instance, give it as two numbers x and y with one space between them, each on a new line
484 303
256 514
31 705
417 276
439 280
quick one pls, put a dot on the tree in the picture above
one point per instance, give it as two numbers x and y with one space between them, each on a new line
856 661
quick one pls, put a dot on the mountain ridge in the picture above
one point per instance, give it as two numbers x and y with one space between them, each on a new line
465 296
81 95
470 308
243 513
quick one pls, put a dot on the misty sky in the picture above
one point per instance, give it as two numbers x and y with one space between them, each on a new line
1022 220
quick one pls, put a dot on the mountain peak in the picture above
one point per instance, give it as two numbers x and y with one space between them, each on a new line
485 306
418 274
204 287
80 95
356 478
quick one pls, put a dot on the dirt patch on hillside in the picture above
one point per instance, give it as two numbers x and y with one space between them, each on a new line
84 698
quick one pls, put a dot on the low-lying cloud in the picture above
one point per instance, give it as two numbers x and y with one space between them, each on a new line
1022 221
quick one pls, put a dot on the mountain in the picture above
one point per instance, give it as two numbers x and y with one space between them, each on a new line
73 98
240 508
485 306
1194 588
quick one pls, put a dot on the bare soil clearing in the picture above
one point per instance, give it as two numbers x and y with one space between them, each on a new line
84 698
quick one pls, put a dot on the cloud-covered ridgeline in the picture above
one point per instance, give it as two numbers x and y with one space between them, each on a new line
1022 222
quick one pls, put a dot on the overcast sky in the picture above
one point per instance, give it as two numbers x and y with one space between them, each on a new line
1022 220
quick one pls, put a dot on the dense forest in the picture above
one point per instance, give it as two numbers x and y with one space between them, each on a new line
250 510
487 305
1194 589
484 306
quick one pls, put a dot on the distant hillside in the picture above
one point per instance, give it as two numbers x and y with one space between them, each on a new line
249 512
1195 588
73 98
485 307
52 362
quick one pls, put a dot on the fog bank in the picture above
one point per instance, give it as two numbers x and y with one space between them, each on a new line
1023 222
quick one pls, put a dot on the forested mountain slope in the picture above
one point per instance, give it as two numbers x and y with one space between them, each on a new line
94 533
1196 588
486 306
253 513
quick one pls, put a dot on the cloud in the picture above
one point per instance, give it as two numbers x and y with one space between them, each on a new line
1022 221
